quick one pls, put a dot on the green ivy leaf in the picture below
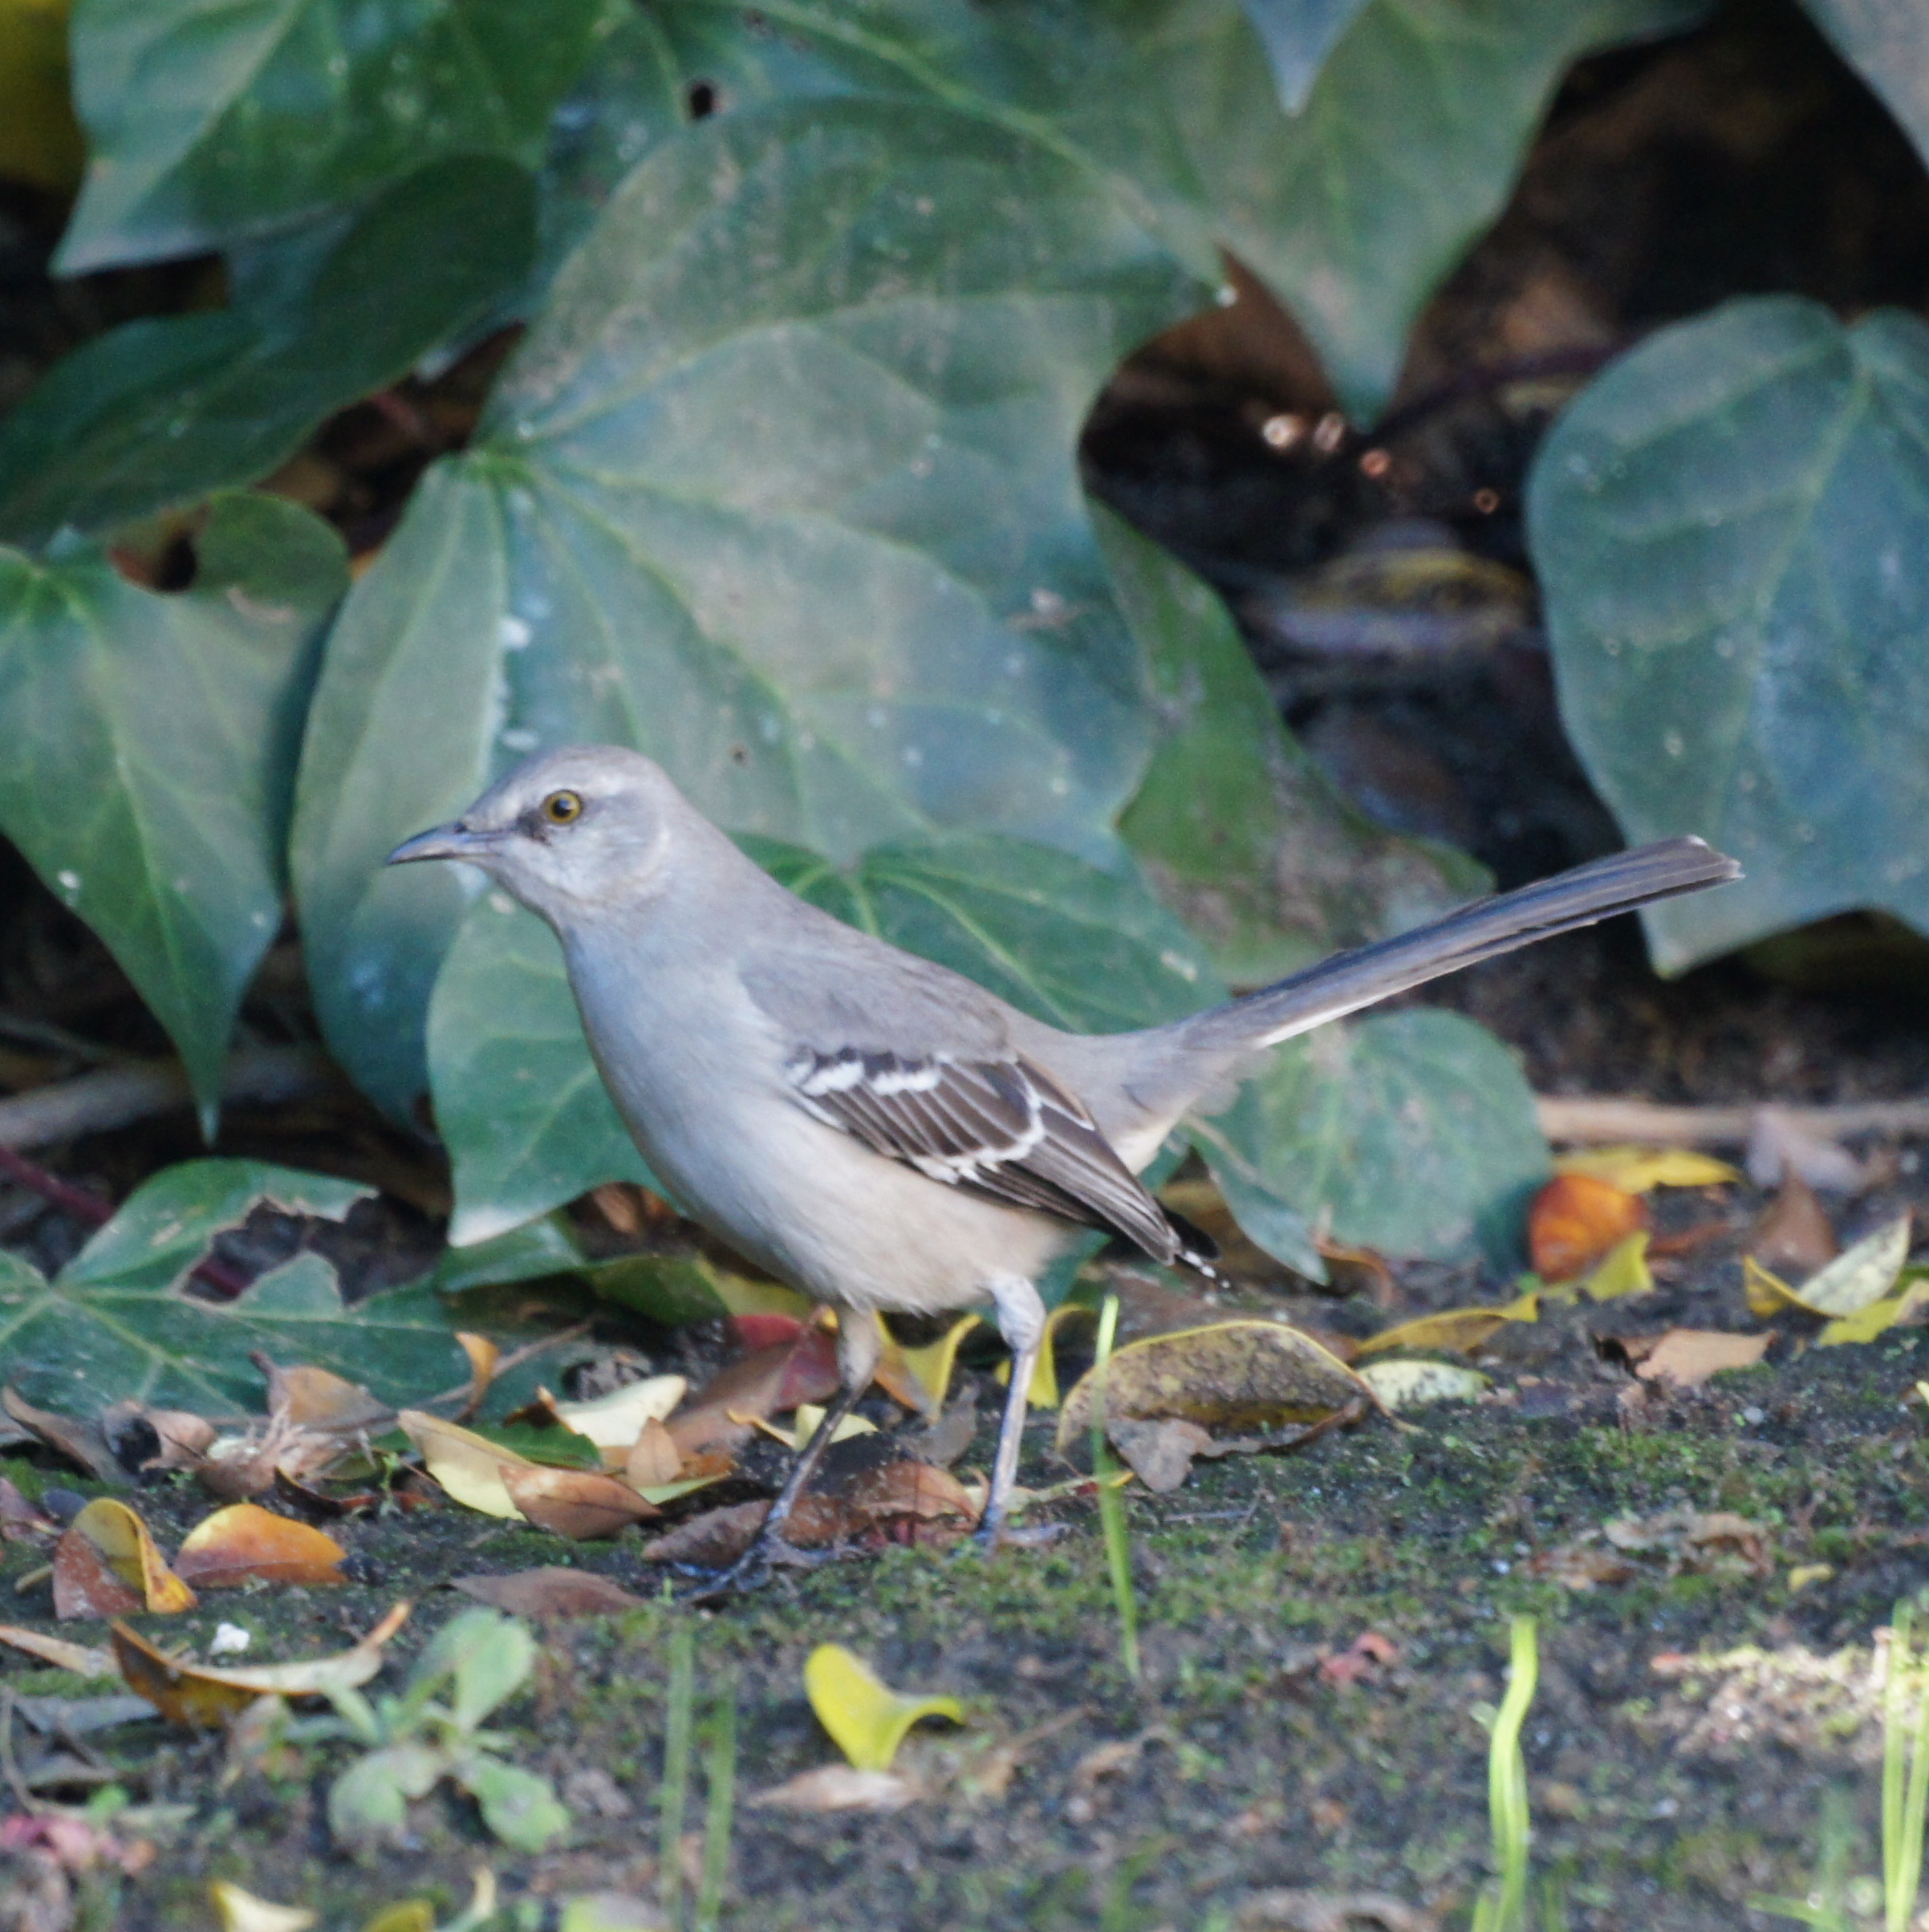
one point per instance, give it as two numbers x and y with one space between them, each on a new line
119 1321
152 742
210 121
1298 35
1239 831
525 1119
159 413
810 363
1886 41
1411 1132
1732 526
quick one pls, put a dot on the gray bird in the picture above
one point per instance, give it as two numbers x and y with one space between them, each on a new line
879 1131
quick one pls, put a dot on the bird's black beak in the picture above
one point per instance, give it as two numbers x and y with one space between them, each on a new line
454 840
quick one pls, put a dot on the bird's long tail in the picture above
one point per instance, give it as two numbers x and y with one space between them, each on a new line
1482 930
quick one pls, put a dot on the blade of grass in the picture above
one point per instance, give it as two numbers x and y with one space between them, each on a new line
1905 1773
1503 1908
1111 1509
721 1771
675 1795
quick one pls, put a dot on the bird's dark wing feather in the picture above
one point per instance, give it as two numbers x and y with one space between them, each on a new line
1000 1127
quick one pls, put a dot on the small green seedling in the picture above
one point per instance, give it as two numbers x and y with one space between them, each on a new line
1502 1905
1111 1510
433 1730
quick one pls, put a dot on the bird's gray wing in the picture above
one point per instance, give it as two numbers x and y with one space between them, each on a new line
1002 1127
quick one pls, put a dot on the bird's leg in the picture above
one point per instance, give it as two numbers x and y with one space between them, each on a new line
858 1346
1022 1322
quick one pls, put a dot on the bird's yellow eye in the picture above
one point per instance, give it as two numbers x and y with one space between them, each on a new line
562 808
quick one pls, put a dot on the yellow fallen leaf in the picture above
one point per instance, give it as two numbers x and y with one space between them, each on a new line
468 1465
1640 1170
1459 1328
483 1354
1044 1391
405 1915
615 1420
1877 1317
1245 1376
1623 1270
203 1696
1857 1276
1408 1385
866 1718
921 1378
242 1912
1804 1574
108 1544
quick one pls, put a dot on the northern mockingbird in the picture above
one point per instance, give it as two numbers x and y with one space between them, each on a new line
879 1131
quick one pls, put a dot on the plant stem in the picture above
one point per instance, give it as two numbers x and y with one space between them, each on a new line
1111 1509
675 1794
1507 1787
1905 1775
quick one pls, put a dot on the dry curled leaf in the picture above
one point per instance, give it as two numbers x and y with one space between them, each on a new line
653 1459
1688 1357
719 1537
204 1697
244 1542
930 1500
552 1591
1159 1453
1858 1277
613 1422
767 1382
1240 1376
582 1504
242 1912
107 1565
81 1443
840 1788
20 1521
306 1398
1575 1219
1796 1232
83 1660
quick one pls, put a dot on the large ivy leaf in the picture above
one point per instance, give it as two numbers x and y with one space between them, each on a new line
151 741
527 1122
1886 41
1298 35
1237 829
781 490
209 121
162 413
118 1322
1411 1132
1405 149
1732 526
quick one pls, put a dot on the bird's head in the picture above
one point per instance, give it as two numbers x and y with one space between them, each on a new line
566 831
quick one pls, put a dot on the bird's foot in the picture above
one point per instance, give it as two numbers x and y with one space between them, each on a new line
752 1570
989 1537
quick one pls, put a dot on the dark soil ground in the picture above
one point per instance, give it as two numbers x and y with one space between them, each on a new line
1707 1728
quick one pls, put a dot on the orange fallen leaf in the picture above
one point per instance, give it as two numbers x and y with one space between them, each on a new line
204 1697
1575 1219
579 1503
107 1565
245 1541
1688 1357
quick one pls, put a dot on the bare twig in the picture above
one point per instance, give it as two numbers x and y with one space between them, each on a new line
1600 1119
81 1203
118 1096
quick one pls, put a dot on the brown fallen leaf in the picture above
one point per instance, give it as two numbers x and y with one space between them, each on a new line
766 1382
20 1521
841 1788
1580 1566
1575 1219
719 1537
83 1660
1694 1540
552 1591
579 1503
81 1443
306 1398
107 1565
1795 1232
203 1697
1688 1357
653 1459
244 1542
1238 1375
181 1437
1159 1453
930 1502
